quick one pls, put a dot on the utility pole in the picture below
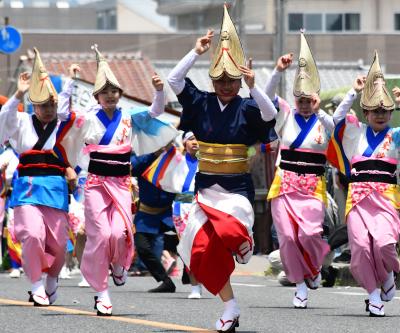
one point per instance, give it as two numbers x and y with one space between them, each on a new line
8 57
280 33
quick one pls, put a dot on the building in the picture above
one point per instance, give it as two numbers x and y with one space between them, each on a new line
316 16
48 14
129 16
112 15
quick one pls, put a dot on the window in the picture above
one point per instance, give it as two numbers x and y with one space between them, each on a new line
112 20
396 21
313 22
352 22
16 4
107 20
101 21
62 4
41 4
329 22
295 22
333 22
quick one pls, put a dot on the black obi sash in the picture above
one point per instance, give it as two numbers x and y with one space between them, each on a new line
100 164
38 162
298 161
387 172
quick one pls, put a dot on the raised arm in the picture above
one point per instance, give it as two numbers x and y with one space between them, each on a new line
326 120
63 108
176 79
157 107
345 105
267 108
9 116
282 64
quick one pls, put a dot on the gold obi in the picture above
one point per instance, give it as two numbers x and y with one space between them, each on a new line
223 158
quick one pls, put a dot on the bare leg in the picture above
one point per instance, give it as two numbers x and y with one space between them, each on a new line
193 280
226 292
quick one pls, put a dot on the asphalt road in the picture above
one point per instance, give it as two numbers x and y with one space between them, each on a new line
265 307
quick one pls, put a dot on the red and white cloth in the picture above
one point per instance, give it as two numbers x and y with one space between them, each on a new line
219 223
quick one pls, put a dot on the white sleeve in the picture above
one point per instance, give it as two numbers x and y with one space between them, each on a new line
267 108
344 106
63 109
272 84
157 107
9 119
326 120
176 78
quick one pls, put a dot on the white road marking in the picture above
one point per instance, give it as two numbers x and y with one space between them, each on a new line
248 285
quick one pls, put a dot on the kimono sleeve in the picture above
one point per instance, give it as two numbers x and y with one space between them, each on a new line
263 130
192 101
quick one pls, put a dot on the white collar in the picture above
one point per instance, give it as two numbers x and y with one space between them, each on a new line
221 106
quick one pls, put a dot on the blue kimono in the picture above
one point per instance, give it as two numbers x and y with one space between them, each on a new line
239 123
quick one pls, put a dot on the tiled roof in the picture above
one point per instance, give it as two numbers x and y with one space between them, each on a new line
132 70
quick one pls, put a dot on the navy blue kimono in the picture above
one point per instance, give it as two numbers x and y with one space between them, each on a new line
239 123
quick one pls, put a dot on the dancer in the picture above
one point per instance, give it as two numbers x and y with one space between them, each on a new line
368 155
177 176
221 219
40 193
109 134
153 218
183 200
298 191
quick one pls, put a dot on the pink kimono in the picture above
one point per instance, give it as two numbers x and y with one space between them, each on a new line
370 160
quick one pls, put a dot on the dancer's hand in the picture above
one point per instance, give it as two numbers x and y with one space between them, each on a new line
73 70
359 83
248 74
23 85
244 253
284 62
315 102
71 177
158 84
4 167
203 43
396 93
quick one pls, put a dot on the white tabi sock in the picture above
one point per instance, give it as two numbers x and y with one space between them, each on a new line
38 288
231 312
301 290
51 284
232 306
375 297
197 289
104 296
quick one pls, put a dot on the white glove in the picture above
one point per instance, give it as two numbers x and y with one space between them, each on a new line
245 252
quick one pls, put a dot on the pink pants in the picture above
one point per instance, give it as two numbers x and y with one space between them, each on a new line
43 233
108 225
373 226
298 221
